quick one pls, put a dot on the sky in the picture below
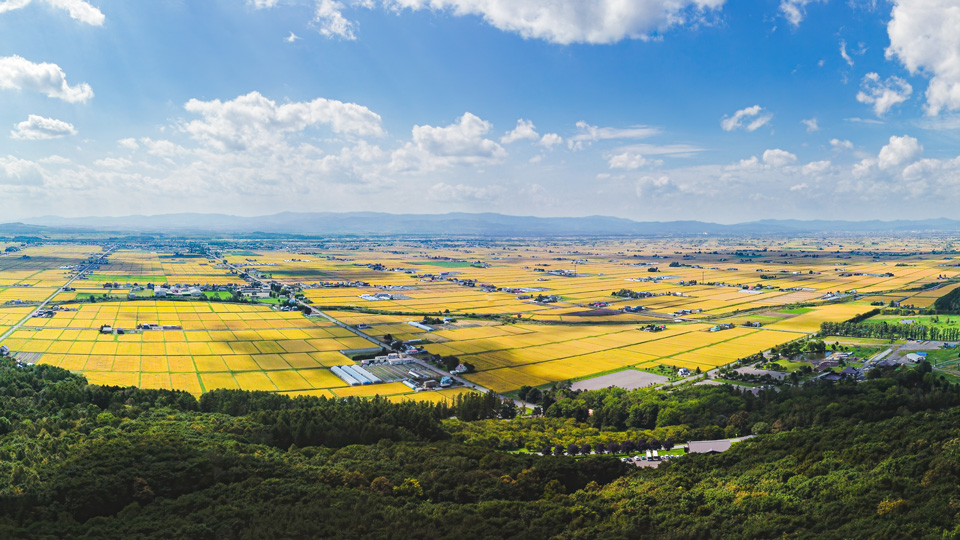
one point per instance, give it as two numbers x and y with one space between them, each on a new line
653 110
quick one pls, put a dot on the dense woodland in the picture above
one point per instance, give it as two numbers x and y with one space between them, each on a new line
878 459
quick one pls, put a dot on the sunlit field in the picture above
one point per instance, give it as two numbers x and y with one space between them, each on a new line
523 312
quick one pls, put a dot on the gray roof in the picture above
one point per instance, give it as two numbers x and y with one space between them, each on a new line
706 447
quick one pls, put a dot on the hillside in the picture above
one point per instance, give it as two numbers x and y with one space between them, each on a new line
876 459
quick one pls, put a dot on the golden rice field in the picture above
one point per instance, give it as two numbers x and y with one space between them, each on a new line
582 333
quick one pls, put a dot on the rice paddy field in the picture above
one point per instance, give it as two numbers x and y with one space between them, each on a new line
488 291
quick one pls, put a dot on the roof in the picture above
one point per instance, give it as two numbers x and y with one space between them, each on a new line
707 447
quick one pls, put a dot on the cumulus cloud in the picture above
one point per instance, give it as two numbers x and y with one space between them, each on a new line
811 124
650 187
898 151
525 130
627 160
841 144
795 10
816 167
461 143
550 140
778 158
78 10
291 38
750 119
129 143
924 38
330 22
262 4
36 128
575 21
113 163
18 73
16 171
883 95
252 120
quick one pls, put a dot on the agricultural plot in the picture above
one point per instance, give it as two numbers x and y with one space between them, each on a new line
521 312
213 346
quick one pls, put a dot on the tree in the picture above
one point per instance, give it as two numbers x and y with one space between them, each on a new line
613 447
573 449
585 449
558 450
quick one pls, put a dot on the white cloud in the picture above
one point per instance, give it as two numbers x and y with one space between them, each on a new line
863 168
78 10
900 150
550 140
650 187
113 163
575 21
252 121
924 38
816 167
16 171
587 134
673 150
18 73
36 128
811 124
883 95
841 144
129 143
795 10
262 4
461 143
871 121
778 158
330 20
525 130
845 54
291 38
627 160
755 118
799 187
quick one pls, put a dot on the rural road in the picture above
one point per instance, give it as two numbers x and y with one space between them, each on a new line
43 304
463 382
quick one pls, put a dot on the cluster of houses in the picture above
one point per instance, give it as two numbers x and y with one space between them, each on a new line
654 328
334 284
719 327
49 313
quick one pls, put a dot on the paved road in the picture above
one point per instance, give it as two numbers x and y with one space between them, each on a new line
43 304
463 382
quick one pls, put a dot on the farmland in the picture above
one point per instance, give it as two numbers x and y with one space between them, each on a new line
520 312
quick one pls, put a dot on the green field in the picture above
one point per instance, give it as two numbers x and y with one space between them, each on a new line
796 311
938 321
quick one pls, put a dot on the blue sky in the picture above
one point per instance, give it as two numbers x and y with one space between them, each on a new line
651 110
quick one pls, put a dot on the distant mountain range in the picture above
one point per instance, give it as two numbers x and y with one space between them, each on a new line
364 223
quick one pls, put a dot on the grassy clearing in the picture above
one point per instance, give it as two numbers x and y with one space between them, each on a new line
796 311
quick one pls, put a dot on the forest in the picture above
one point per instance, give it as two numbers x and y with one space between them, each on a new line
874 459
